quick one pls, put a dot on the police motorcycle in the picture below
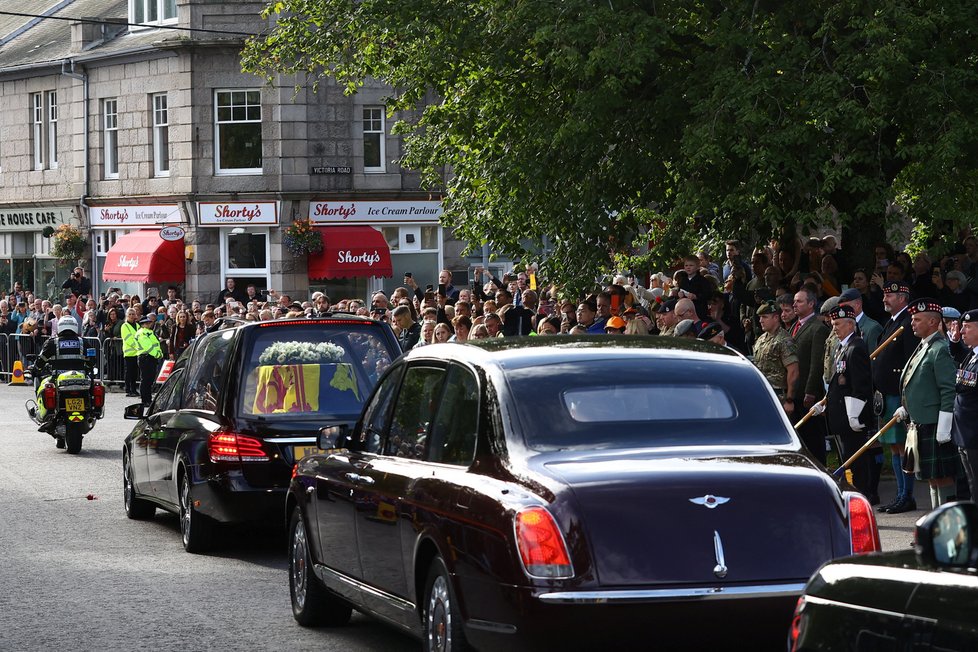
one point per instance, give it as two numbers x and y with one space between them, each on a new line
69 400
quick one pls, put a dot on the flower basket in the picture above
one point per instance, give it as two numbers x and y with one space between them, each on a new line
302 238
300 353
69 244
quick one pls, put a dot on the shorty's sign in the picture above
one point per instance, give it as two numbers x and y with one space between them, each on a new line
128 262
367 258
172 233
124 217
35 219
237 214
359 212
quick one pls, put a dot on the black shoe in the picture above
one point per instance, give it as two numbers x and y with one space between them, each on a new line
887 506
905 505
873 499
59 442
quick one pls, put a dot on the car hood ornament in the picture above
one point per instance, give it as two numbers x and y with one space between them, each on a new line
709 501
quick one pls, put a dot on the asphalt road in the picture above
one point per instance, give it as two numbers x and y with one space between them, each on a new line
76 574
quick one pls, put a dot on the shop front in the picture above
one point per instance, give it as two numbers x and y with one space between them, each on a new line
138 248
392 238
25 249
244 240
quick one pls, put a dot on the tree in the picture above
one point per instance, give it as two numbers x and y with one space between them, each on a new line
600 124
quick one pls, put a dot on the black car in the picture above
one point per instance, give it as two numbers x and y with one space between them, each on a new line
916 599
568 493
239 408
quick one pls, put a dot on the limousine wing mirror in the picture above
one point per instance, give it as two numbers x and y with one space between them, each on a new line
332 437
948 536
136 411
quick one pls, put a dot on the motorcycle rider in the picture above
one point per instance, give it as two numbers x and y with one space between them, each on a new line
66 346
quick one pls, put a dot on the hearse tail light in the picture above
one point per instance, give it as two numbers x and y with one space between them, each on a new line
795 632
98 395
864 536
50 397
541 545
231 447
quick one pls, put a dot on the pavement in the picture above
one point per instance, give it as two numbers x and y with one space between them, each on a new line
896 530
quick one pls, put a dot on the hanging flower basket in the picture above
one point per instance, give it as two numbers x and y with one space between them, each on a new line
303 238
69 244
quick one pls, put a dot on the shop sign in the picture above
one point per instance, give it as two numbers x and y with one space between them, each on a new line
35 219
359 212
124 217
243 214
172 233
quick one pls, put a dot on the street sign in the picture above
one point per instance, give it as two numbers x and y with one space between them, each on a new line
332 169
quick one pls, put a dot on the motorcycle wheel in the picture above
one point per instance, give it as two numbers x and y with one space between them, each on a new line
73 437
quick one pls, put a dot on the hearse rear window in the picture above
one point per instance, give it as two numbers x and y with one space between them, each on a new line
644 402
310 371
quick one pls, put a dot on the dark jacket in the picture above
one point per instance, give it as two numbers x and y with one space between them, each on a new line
852 376
408 338
964 426
810 344
889 364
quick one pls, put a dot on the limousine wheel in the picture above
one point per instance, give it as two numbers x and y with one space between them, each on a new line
198 531
136 508
312 603
442 622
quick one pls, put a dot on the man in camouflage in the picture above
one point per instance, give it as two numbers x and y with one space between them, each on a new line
775 355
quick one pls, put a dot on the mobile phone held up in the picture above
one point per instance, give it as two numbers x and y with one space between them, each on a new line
408 275
441 289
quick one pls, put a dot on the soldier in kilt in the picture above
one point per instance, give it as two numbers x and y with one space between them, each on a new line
927 387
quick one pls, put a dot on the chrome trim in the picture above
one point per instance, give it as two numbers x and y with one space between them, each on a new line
489 626
290 440
668 595
325 573
720 570
860 607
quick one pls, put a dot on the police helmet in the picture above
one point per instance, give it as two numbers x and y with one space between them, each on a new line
67 325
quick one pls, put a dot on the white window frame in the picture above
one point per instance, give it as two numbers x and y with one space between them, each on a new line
110 138
161 134
140 12
227 270
37 129
218 164
52 97
380 134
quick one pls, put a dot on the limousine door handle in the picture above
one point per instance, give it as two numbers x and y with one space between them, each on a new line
356 478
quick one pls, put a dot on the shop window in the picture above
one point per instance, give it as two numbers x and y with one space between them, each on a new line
373 139
147 13
245 257
110 138
237 129
161 136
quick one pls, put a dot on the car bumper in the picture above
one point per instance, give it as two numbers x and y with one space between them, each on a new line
228 498
538 619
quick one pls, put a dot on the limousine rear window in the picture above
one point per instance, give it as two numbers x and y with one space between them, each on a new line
645 403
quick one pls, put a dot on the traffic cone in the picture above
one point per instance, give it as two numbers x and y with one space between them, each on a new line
17 376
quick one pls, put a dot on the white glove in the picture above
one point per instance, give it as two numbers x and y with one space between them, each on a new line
944 428
901 413
818 408
854 408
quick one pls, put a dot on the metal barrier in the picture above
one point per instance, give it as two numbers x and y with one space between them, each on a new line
113 369
24 347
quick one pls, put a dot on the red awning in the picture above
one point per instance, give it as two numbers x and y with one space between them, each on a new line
351 251
144 257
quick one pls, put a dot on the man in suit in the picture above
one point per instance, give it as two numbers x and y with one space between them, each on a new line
809 334
848 406
927 384
869 329
887 368
964 425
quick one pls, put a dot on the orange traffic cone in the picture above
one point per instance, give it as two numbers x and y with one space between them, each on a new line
17 376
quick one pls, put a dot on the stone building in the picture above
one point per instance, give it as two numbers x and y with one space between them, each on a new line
123 117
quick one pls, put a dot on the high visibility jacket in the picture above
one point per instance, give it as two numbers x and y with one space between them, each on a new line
148 344
129 340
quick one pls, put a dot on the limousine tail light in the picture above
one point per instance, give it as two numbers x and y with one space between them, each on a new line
541 545
796 624
864 536
231 447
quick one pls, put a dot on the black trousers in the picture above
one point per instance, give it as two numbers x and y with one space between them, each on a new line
969 460
147 378
132 374
812 434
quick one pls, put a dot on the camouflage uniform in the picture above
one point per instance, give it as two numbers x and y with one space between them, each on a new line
772 355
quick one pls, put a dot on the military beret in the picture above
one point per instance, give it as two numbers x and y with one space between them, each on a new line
851 295
708 329
925 305
950 312
769 308
970 316
829 305
842 312
685 328
890 288
668 305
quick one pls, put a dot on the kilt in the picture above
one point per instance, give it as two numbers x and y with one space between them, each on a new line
897 434
935 460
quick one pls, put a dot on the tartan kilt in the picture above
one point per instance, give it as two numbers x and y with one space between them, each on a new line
935 460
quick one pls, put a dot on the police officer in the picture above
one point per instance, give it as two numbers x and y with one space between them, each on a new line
887 368
964 425
129 353
66 346
148 353
774 354
848 409
927 386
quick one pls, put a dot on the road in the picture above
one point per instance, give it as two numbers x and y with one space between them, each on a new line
77 574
